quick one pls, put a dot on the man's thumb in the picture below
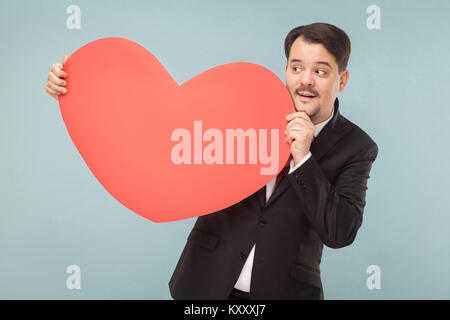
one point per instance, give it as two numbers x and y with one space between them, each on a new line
65 57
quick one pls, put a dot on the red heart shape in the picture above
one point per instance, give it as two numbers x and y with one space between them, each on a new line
122 110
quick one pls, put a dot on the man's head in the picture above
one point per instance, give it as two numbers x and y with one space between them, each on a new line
316 69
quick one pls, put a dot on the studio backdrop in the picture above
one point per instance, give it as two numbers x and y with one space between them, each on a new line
63 236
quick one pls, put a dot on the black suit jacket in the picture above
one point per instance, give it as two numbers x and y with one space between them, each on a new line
321 202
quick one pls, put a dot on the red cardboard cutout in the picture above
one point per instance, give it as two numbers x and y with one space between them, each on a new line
167 151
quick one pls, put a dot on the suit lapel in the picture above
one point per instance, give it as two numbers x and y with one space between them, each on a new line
327 138
330 134
262 197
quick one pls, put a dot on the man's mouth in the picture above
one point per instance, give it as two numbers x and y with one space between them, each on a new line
307 95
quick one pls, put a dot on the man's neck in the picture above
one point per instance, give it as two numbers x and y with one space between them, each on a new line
324 118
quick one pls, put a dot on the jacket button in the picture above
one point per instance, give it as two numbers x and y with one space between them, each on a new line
242 255
262 222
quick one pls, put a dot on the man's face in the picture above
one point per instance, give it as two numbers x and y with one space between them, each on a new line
313 79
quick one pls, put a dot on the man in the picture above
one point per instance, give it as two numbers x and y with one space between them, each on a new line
269 245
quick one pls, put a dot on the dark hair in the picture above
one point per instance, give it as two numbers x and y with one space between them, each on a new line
331 37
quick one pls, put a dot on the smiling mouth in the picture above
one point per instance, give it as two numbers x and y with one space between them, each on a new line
306 95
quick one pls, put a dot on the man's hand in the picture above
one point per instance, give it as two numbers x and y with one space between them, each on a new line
299 133
55 83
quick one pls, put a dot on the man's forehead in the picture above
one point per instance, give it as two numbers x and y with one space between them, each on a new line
322 55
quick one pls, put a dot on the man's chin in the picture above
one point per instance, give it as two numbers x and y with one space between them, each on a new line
311 112
300 107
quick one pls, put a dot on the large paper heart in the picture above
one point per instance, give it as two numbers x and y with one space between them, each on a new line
167 151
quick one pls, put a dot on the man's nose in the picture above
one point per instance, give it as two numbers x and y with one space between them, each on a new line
306 78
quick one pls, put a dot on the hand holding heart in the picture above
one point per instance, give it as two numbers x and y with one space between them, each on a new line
299 133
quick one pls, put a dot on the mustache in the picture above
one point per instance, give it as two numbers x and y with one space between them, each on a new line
306 89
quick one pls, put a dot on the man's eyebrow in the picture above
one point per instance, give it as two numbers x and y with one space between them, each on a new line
317 62
295 60
324 62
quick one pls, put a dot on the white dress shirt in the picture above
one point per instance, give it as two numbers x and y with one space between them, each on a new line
243 283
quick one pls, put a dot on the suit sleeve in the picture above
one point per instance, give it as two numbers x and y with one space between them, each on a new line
336 210
293 167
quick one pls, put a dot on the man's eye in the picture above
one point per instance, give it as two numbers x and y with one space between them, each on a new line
321 72
296 69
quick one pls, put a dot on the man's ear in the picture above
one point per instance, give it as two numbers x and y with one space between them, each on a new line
343 78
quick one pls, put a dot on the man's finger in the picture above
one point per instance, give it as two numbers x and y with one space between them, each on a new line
57 70
297 128
293 135
51 92
297 122
56 80
55 66
56 88
288 138
65 57
299 114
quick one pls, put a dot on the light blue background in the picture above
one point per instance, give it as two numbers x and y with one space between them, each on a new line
54 213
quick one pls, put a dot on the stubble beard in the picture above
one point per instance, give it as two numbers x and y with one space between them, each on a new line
311 114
